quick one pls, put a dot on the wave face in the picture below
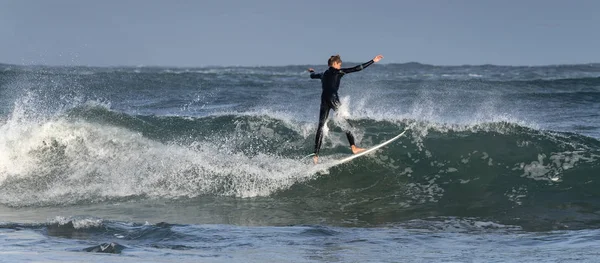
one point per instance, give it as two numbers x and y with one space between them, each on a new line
495 170
520 150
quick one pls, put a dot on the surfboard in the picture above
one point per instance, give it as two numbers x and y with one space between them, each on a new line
372 149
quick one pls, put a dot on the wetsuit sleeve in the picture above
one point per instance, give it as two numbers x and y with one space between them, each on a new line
314 75
357 68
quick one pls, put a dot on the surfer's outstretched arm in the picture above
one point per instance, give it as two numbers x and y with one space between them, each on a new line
363 65
314 75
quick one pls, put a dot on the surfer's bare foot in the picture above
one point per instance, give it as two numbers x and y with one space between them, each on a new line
356 150
315 159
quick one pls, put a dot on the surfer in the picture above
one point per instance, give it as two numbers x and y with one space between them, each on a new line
330 81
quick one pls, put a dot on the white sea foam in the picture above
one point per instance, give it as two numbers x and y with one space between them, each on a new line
78 223
58 161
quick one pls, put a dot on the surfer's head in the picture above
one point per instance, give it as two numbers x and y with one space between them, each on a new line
335 62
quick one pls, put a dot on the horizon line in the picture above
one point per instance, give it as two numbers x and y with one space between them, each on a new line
297 65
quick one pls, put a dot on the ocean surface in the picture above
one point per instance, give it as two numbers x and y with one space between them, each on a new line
151 164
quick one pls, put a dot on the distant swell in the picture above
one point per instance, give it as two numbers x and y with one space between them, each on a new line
562 82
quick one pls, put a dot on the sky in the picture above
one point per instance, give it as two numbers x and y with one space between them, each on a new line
189 33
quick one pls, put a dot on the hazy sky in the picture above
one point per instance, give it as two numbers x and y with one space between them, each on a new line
283 32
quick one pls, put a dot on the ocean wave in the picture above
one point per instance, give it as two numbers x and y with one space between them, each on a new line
480 145
487 170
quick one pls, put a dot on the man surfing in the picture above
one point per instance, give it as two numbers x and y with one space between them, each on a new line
330 81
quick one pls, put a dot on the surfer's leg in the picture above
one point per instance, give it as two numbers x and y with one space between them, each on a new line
350 138
355 149
348 127
353 146
323 114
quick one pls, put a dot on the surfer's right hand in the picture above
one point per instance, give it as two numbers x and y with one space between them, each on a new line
311 70
316 159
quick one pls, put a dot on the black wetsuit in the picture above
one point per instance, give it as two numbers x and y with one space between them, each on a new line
330 79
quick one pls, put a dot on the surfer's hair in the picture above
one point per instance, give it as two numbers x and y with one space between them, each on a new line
334 59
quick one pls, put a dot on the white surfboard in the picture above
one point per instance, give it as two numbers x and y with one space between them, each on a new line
372 149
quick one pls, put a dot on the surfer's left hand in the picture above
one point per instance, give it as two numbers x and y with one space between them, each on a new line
377 58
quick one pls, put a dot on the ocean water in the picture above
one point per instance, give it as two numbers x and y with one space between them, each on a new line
150 164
